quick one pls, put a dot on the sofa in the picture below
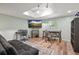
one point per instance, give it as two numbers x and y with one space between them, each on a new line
16 47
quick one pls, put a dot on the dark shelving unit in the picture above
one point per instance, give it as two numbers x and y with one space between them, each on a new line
75 34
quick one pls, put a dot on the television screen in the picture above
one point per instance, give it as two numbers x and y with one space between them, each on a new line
34 23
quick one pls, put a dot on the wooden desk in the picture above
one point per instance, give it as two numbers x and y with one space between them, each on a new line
54 34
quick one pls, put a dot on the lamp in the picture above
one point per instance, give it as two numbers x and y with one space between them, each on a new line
39 11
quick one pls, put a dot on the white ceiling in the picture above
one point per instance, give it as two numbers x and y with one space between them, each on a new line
17 9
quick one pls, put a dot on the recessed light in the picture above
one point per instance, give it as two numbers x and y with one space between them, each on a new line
69 11
38 12
26 13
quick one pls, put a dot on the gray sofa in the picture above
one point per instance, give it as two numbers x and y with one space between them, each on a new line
16 47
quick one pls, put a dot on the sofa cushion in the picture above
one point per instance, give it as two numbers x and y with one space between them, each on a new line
8 47
2 50
23 48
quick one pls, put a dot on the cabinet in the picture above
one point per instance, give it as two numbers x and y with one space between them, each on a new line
75 34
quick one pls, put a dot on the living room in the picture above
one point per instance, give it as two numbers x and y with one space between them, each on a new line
47 34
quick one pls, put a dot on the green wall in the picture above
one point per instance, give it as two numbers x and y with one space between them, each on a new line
8 23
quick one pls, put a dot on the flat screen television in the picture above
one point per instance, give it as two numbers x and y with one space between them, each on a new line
34 23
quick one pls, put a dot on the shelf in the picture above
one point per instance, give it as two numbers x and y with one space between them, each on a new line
72 33
72 23
72 27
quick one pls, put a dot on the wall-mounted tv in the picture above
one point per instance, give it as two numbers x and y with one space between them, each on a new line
34 23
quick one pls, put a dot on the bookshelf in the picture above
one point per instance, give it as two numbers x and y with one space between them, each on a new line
75 34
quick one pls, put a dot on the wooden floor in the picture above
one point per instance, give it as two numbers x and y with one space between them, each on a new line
63 48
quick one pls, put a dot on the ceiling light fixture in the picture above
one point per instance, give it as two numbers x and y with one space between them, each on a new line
39 11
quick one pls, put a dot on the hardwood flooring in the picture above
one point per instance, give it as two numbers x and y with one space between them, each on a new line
54 47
